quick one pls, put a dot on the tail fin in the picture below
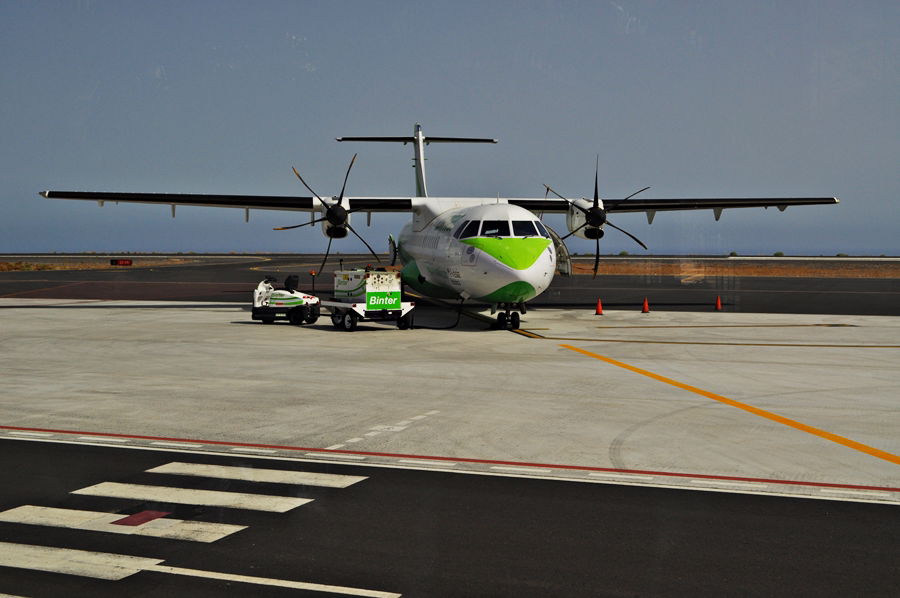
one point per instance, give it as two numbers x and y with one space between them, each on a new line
419 142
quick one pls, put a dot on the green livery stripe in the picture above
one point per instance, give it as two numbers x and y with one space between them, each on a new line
511 293
518 254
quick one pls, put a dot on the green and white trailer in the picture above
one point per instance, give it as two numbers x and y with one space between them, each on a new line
368 295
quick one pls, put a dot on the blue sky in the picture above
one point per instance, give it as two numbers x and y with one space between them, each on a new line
697 99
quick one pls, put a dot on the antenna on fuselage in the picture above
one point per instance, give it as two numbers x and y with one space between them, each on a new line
419 142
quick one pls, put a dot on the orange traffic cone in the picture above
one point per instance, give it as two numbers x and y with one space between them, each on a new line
718 303
599 311
646 308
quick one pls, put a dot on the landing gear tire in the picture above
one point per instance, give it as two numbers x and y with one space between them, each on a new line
313 315
514 320
336 319
350 320
501 320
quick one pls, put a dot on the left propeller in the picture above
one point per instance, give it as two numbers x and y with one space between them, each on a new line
336 214
595 217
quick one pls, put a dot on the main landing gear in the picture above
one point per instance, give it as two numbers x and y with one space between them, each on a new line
508 318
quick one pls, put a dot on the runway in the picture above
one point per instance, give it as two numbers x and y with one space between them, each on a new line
667 453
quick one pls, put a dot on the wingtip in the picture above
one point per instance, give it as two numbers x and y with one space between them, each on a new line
45 194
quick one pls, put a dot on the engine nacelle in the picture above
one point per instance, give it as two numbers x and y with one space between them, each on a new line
575 219
334 231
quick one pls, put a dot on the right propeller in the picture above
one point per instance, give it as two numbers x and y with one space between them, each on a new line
337 216
595 217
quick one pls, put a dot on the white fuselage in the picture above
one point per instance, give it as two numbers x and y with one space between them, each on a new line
498 253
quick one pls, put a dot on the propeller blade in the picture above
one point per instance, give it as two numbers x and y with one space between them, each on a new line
372 251
616 204
622 230
346 176
635 193
317 220
573 232
597 256
308 187
596 191
571 203
327 251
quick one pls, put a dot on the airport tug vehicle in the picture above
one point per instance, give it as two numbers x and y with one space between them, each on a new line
297 307
368 295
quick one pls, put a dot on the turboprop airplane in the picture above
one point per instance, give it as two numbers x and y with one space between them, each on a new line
487 249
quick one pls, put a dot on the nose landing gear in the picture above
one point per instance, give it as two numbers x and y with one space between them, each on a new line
508 318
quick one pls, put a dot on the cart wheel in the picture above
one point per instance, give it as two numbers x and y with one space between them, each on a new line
404 322
314 312
350 320
514 320
297 315
336 319
268 320
501 320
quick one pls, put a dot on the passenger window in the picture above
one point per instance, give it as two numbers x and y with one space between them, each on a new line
459 229
471 230
523 228
540 227
495 228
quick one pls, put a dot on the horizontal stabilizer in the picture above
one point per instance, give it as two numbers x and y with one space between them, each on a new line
427 139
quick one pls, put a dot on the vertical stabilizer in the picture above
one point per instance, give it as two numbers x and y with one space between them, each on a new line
419 142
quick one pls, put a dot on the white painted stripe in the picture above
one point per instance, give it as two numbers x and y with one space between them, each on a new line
521 469
622 476
250 474
418 417
103 439
99 565
334 447
281 583
352 440
247 449
432 413
869 493
184 496
172 529
370 434
105 565
404 423
717 483
427 462
178 444
336 456
35 434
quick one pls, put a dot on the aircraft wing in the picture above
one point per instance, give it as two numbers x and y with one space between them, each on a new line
651 206
255 202
661 205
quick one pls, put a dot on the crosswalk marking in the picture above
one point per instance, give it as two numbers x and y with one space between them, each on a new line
165 494
110 566
249 474
99 565
173 529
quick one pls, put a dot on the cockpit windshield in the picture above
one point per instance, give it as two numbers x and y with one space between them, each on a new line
495 228
500 228
524 228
